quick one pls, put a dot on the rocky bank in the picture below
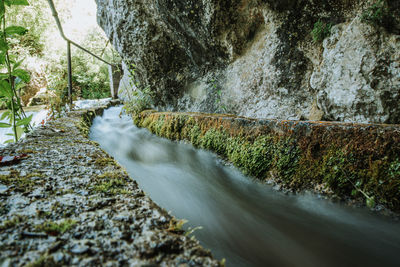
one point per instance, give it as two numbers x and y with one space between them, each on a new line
70 204
294 59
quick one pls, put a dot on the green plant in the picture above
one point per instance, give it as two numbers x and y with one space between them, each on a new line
14 78
378 14
140 99
221 108
320 31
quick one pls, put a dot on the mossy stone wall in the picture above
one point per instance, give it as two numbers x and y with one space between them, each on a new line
350 160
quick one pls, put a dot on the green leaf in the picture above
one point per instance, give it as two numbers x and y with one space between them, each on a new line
20 132
9 141
22 74
16 65
25 121
19 84
5 114
5 89
12 30
3 45
17 2
2 58
2 9
4 125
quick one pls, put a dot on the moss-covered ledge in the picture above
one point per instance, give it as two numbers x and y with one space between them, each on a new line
68 203
345 159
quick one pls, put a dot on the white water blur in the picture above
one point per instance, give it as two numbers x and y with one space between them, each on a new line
90 103
243 221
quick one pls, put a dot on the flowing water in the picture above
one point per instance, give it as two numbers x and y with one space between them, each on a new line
243 221
40 115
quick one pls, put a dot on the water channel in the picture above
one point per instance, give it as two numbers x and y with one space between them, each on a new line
244 221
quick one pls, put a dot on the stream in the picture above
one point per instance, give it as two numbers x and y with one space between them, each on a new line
243 221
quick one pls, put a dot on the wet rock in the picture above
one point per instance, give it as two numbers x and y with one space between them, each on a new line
3 189
79 249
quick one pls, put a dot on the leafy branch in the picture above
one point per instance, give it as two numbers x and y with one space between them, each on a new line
14 78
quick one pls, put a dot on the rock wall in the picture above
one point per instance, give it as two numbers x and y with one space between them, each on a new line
257 57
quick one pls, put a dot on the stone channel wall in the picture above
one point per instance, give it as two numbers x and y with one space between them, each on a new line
356 161
70 204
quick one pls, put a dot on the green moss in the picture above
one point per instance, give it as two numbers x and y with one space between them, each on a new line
86 122
7 224
336 173
56 228
102 162
111 183
215 140
334 157
21 183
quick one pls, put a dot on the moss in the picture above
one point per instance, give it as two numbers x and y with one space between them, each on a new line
356 161
21 183
86 122
56 228
7 224
215 140
43 261
102 162
27 151
111 183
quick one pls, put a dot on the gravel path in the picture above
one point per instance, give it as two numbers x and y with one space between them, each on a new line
69 203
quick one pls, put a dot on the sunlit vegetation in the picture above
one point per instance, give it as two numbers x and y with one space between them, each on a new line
46 62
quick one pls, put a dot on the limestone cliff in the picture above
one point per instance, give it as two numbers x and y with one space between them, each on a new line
258 58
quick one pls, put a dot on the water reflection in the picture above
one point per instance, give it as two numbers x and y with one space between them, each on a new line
243 221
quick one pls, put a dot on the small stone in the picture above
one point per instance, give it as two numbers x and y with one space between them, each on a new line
3 189
58 257
79 249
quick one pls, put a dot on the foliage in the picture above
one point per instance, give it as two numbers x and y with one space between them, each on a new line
378 14
57 85
36 20
14 78
217 90
321 31
90 77
141 99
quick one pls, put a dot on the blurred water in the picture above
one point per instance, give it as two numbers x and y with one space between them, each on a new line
90 103
38 118
243 221
41 116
